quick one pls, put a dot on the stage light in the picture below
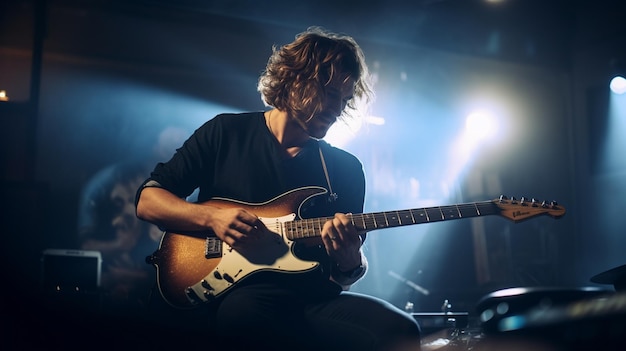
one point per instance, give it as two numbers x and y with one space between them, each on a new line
618 85
3 95
480 125
617 67
343 131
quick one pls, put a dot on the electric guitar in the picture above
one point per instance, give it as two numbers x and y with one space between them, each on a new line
195 268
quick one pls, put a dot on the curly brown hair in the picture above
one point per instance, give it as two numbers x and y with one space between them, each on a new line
298 73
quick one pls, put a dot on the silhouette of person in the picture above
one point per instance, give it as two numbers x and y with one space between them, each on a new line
107 223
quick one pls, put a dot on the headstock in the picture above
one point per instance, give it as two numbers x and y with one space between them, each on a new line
522 209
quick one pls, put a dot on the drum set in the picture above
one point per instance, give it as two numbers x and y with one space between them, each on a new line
535 318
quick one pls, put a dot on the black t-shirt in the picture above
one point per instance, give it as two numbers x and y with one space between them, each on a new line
235 156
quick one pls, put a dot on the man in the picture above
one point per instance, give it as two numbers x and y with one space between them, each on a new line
252 159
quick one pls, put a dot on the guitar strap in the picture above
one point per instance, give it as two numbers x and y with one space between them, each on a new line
333 195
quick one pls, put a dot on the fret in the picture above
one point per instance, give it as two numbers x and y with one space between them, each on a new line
392 218
433 214
303 229
487 208
361 224
375 221
288 229
422 215
310 228
469 210
412 217
291 230
378 221
320 225
369 221
405 217
450 212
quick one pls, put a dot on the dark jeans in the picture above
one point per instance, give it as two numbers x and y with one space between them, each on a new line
266 317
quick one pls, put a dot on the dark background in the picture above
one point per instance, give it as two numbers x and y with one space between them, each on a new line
93 82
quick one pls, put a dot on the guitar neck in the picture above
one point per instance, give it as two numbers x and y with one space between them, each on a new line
365 222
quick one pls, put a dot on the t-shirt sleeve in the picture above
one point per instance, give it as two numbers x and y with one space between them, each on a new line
190 165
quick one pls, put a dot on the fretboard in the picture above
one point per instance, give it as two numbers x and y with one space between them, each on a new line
365 222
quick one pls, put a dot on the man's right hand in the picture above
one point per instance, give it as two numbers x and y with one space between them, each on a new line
236 226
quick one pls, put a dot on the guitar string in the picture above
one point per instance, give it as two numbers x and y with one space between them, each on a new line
307 226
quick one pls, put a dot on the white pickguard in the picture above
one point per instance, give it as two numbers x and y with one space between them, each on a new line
273 252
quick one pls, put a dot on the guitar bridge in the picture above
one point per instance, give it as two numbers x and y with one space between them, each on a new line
212 247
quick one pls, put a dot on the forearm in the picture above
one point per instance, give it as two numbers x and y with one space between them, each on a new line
161 207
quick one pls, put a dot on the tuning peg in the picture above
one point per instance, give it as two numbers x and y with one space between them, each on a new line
534 202
553 203
503 198
544 204
522 201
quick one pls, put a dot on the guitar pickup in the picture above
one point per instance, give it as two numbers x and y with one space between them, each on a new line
212 247
193 298
206 285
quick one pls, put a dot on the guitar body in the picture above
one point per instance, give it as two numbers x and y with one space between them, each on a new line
198 267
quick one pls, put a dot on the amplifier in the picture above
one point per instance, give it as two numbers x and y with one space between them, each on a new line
70 270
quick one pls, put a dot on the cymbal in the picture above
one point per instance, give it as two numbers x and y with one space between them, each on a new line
615 276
